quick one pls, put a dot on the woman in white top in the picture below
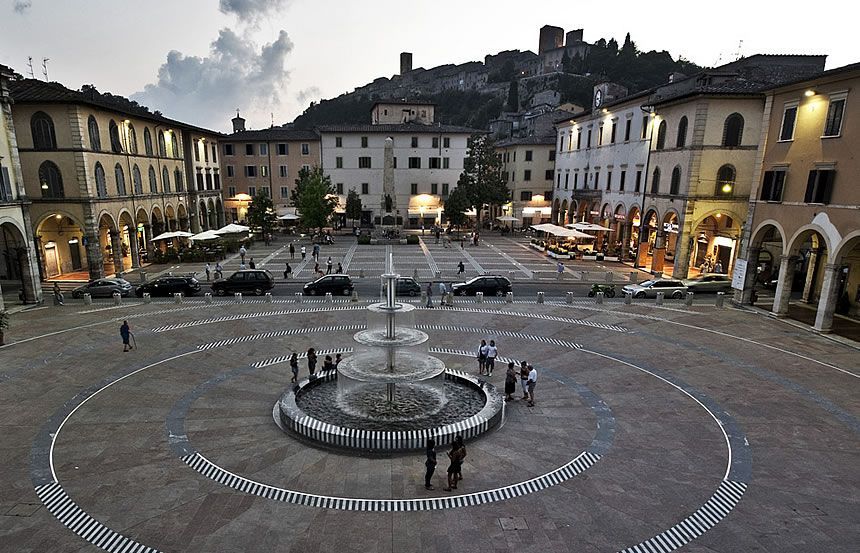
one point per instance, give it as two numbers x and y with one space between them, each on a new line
483 349
492 352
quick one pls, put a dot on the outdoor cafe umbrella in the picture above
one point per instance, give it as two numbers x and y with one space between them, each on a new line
172 234
205 235
232 228
587 226
289 217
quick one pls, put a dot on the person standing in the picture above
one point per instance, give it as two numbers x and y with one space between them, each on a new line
219 270
492 352
532 382
462 242
456 455
125 333
339 269
328 265
559 268
251 264
443 293
460 268
304 252
316 252
328 363
482 357
292 251
337 359
294 367
430 295
524 378
208 270
58 296
510 381
312 361
242 253
718 267
288 272
430 463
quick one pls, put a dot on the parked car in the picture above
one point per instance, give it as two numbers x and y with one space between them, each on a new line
255 281
338 285
489 285
709 282
103 288
407 286
169 285
648 289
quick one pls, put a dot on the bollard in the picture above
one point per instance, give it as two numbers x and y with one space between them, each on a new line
568 297
599 297
479 297
540 297
207 297
298 297
659 299
688 301
328 297
509 297
609 276
117 299
269 297
415 274
177 298
628 298
238 297
355 295
361 273
143 277
634 276
721 297
147 297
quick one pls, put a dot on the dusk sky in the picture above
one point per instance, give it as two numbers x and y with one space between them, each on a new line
199 60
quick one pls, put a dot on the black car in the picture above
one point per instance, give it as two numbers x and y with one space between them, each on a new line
255 281
169 285
338 285
407 286
489 285
103 288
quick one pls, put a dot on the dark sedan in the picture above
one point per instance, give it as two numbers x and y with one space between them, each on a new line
407 286
489 285
169 285
103 288
338 285
254 281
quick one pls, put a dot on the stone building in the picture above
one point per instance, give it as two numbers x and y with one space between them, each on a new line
105 175
528 168
205 205
18 264
803 232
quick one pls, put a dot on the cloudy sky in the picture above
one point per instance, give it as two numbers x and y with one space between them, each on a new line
199 60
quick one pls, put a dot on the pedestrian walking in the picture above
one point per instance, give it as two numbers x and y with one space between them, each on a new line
316 252
58 296
208 270
251 264
312 361
317 269
430 295
532 382
559 268
242 253
430 463
294 367
455 469
219 270
292 251
328 265
443 293
524 378
510 381
304 252
339 269
482 357
492 352
288 272
461 268
125 332
438 234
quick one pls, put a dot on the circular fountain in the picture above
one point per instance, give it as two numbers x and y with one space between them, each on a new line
389 394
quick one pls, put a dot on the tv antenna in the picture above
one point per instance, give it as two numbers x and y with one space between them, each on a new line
30 65
740 48
45 68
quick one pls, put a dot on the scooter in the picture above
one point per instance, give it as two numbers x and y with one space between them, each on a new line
607 289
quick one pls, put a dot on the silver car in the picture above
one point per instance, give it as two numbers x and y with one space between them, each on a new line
670 287
103 288
709 283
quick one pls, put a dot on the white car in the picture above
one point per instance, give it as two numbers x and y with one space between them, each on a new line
670 287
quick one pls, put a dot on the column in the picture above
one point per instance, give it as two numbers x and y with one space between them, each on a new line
783 287
116 250
811 272
94 254
827 299
683 247
659 256
147 236
744 297
29 276
132 245
642 251
625 239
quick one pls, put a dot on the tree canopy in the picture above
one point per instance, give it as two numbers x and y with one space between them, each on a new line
456 207
314 197
481 180
353 205
261 213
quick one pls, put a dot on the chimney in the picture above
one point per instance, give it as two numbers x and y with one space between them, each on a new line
405 62
238 123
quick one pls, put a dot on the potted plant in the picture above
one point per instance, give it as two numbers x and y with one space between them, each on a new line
4 324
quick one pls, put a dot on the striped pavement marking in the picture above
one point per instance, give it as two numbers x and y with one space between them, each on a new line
347 258
429 257
506 333
258 315
278 333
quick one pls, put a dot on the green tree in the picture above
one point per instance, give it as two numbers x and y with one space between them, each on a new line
456 207
481 180
261 213
353 205
314 197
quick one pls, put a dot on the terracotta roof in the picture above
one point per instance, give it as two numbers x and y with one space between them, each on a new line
274 133
415 128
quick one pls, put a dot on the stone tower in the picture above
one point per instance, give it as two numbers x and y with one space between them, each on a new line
405 62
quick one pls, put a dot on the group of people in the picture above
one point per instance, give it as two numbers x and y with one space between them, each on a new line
455 466
329 364
219 271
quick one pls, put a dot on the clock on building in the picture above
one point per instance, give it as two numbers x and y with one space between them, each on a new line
598 98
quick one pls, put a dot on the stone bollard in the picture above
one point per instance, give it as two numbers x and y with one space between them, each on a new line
509 297
568 297
721 297
361 273
177 298
298 297
329 298
117 298
599 298
415 274
423 297
269 297
609 276
147 297
688 301
634 276
479 297
628 298
659 299
238 297
143 277
540 297
355 295
207 297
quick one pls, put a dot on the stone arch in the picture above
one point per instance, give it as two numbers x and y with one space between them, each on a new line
171 223
556 206
182 215
803 234
17 260
60 240
219 210
202 215
157 219
213 219
563 212
764 228
110 244
847 245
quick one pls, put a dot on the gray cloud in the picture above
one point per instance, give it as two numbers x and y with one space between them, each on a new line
237 73
250 11
21 6
310 93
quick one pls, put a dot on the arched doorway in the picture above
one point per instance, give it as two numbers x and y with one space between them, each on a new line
182 214
203 215
648 226
582 211
62 252
802 273
170 217
143 227
128 237
18 263
562 213
110 245
669 231
556 209
841 307
213 218
620 234
714 244
603 235
219 209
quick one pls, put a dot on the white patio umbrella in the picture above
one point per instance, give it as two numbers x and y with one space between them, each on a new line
232 228
164 236
205 235
565 232
586 226
289 217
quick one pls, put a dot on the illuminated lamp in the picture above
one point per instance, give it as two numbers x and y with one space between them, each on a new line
809 93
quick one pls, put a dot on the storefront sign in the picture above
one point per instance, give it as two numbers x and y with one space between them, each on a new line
620 217
595 212
740 274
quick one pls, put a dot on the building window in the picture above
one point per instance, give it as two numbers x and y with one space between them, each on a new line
675 183
551 155
612 132
413 188
435 142
252 191
132 139
162 146
609 180
364 142
216 176
733 130
588 140
165 180
197 151
444 188
547 174
446 142
115 142
249 149
725 181
42 128
339 188
415 163
231 191
180 183
147 141
600 135
682 133
578 139
153 181
527 175
251 171
285 192
228 149
208 180
644 131
214 153
338 142
833 123
446 163
819 186
529 154
199 180
364 188
231 171
306 167
414 141
283 149
434 188
526 196
119 175
655 181
282 171
95 139
306 149
638 185
627 126
567 180
596 179
174 144
136 180
264 149
506 176
661 135
575 181
621 181
772 186
433 162
264 190
101 181
338 162
394 162
364 162
264 170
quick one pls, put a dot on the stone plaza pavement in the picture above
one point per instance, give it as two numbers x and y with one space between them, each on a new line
655 429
